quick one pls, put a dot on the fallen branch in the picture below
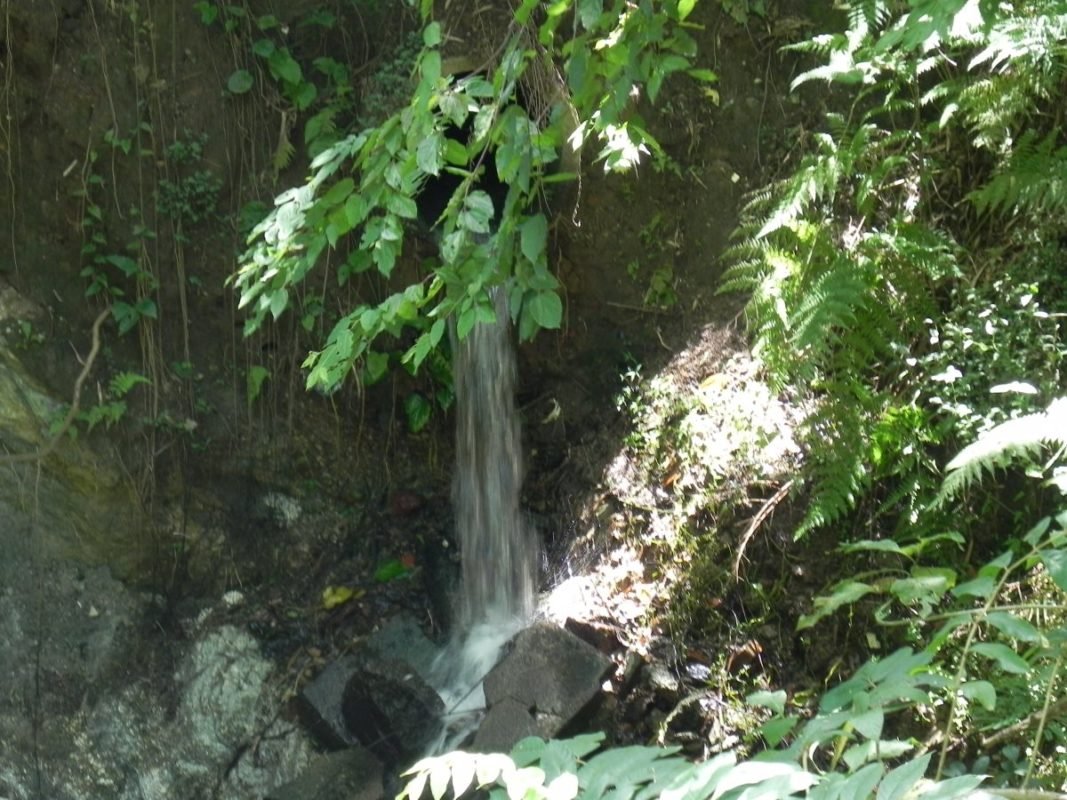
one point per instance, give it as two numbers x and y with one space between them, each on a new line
75 402
761 516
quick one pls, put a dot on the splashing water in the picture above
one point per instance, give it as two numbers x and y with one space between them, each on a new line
496 596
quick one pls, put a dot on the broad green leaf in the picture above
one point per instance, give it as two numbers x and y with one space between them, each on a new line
1006 658
589 12
279 299
477 212
901 780
466 321
431 34
528 751
263 48
685 8
284 66
1055 562
428 154
845 593
339 192
534 238
1014 627
776 729
870 723
546 309
402 205
981 691
775 701
240 81
979 587
254 382
430 66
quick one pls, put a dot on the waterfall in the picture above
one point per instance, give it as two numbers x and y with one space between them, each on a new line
497 590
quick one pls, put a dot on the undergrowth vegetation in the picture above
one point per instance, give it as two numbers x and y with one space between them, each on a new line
906 285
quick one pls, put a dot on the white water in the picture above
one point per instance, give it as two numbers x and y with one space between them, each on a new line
496 596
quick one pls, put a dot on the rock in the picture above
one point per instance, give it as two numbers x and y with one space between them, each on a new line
86 510
400 644
319 703
665 686
402 639
390 709
604 638
549 673
354 774
506 723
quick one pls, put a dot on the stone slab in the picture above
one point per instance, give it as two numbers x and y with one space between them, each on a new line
351 774
319 703
549 673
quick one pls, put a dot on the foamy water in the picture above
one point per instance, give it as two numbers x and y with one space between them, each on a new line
497 591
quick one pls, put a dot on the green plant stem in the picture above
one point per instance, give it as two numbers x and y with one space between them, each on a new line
1043 719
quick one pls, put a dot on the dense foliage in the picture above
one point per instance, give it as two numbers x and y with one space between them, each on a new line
904 279
505 125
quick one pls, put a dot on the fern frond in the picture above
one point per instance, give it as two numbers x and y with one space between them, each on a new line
1033 181
1000 446
836 441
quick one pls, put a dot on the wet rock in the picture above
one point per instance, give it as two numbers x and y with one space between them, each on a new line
506 723
604 638
402 639
549 673
390 709
319 703
354 774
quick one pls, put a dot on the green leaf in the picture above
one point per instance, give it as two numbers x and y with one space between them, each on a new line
775 701
901 780
476 213
263 48
254 382
1014 627
685 8
390 571
431 34
705 75
240 81
284 66
339 192
776 729
546 309
417 410
845 593
534 237
428 153
1006 658
982 692
1055 562
402 205
589 12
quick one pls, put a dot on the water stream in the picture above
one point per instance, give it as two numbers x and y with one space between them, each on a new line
497 591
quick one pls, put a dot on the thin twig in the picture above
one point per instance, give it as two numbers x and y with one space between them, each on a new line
761 515
75 402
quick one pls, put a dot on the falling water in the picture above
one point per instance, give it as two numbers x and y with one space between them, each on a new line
499 554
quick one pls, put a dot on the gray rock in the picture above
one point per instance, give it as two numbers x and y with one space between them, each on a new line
391 709
402 639
352 774
506 723
319 703
548 672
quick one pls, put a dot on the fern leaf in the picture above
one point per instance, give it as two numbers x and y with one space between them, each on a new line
1000 446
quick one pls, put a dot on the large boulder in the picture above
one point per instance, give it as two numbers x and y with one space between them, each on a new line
354 774
544 681
380 695
79 506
